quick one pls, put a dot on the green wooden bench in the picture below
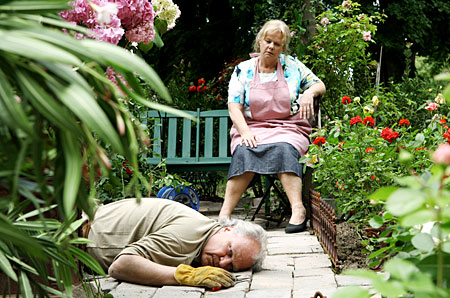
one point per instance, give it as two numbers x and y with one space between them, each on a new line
204 146
191 146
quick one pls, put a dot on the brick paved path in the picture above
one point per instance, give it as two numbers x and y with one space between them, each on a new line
295 267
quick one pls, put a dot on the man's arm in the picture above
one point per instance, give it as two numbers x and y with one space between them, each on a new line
140 270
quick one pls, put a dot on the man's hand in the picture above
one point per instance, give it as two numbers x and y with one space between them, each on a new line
205 276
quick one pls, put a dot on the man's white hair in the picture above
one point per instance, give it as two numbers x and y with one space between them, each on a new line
253 231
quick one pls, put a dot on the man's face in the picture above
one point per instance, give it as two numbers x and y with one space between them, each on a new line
229 251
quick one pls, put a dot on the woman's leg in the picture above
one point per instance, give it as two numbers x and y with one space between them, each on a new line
292 185
233 192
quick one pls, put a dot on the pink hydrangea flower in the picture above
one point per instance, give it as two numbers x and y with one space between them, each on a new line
141 33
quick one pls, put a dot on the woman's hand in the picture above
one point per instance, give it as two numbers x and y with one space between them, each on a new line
248 138
307 106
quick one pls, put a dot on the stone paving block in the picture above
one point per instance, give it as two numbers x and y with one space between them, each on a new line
271 279
309 293
298 239
125 290
323 271
178 291
308 261
270 293
313 283
348 280
282 263
226 293
292 249
317 249
106 284
280 233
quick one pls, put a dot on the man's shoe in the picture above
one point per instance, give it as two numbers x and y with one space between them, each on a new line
290 228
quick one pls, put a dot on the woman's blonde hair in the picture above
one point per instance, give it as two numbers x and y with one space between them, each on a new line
273 26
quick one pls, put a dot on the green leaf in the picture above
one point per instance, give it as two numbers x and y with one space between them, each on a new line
119 58
25 287
14 41
6 267
20 238
157 40
72 177
429 265
382 194
32 6
400 269
389 288
423 242
145 47
404 201
446 247
352 292
376 221
418 217
46 104
86 259
83 104
36 225
36 212
445 76
72 228
11 112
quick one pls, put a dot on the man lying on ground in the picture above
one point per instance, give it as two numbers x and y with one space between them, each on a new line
156 241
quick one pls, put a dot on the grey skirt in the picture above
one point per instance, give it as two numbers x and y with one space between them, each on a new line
265 159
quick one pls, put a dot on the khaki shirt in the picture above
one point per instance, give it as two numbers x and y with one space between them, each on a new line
164 231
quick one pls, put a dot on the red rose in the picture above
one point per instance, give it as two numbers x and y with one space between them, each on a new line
346 100
319 141
388 134
370 149
403 122
192 88
446 135
369 121
201 81
355 120
199 88
442 121
372 177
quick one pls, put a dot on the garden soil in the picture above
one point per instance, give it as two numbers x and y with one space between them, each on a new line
350 250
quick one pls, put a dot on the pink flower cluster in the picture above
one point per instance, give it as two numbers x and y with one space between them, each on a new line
134 18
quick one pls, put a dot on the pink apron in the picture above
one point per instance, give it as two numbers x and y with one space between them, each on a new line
270 106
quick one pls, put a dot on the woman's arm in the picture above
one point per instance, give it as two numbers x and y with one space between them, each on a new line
307 103
237 116
140 270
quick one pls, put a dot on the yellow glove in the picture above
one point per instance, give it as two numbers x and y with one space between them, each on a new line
206 276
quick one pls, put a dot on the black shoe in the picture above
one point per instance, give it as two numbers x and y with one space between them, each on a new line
290 228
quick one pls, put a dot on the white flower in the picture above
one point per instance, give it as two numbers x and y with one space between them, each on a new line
440 99
375 100
166 10
356 99
367 35
324 21
105 12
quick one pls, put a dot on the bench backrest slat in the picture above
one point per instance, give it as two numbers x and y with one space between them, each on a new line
223 137
186 145
172 138
208 136
209 139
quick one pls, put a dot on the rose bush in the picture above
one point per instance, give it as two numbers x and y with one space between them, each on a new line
355 155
